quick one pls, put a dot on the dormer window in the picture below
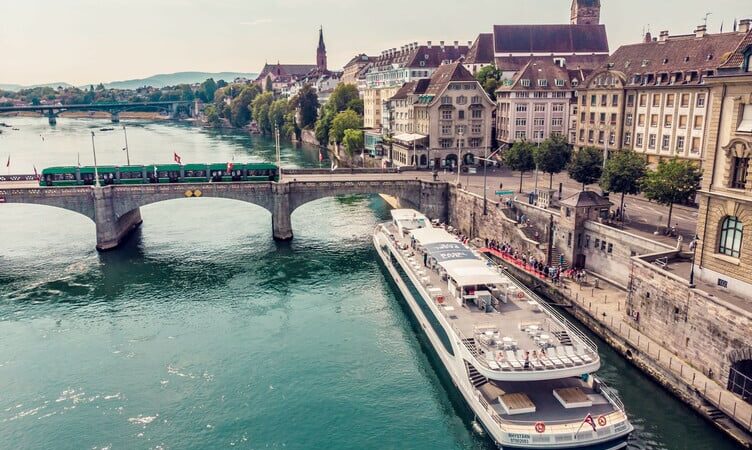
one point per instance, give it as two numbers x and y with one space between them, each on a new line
525 82
560 83
542 83
665 60
644 62
686 59
710 57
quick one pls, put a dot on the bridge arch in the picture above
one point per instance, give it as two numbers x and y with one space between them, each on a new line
79 200
407 191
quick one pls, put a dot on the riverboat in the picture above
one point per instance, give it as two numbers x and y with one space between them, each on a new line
523 369
159 173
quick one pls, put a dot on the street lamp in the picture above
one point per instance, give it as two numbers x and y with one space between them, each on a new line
96 170
459 157
279 155
127 150
693 244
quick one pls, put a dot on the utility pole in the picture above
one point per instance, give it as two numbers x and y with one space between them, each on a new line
459 158
485 178
127 150
96 170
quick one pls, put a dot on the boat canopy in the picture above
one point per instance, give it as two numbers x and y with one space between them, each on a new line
448 251
471 272
426 236
409 219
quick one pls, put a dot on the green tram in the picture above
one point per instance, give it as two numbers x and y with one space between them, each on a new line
159 173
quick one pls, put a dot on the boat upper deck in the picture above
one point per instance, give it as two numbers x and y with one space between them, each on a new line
504 329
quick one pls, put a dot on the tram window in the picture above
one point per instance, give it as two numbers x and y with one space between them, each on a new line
131 175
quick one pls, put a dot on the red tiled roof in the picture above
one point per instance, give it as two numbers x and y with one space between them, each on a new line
432 56
410 88
295 70
545 69
446 74
587 62
482 50
557 39
736 59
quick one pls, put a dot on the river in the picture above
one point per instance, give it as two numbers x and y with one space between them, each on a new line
202 332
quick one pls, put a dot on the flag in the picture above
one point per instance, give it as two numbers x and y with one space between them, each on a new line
230 165
589 420
36 174
176 157
155 172
8 163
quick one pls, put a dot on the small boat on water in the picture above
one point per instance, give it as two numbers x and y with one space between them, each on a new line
106 129
523 369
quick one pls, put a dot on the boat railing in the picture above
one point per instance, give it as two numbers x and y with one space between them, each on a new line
566 324
610 394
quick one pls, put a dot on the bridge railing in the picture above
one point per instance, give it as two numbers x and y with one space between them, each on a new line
343 170
16 178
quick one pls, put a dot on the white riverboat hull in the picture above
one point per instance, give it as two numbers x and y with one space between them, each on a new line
454 362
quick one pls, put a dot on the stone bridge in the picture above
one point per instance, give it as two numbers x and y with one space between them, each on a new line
115 209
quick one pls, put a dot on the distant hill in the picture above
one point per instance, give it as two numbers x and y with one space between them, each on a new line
171 79
18 87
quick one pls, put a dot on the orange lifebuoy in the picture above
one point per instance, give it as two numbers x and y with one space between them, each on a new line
602 421
540 427
520 295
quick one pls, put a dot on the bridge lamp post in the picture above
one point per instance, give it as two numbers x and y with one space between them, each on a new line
96 170
127 150
459 157
279 155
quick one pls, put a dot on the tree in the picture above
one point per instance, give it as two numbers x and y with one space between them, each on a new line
268 86
307 101
342 96
520 158
240 113
623 174
552 156
221 84
277 112
212 117
345 120
586 166
673 181
490 78
323 125
260 106
206 90
353 141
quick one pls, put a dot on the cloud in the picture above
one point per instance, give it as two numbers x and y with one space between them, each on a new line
255 22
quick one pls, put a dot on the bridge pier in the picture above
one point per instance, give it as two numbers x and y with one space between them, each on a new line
52 118
434 200
112 230
281 215
115 116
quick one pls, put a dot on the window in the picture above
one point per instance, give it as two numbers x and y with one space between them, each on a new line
654 120
557 107
612 138
731 237
542 83
610 248
446 114
538 135
668 121
601 135
582 135
582 117
557 122
477 114
445 143
745 125
593 100
665 143
670 100
628 119
461 100
539 122
643 99
584 100
475 128
685 100
520 135
739 169
603 118
446 100
656 100
698 122
615 100
592 117
474 142
627 138
559 82
638 141
540 94
641 120
475 100
613 118
651 141
461 115
604 100
460 129
683 122
525 82
680 144
446 129
520 122
695 145
630 100
590 136
700 100
522 107
539 107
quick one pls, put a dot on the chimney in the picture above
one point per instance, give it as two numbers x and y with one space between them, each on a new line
701 30
469 44
664 36
648 38
744 25
456 45
441 44
429 45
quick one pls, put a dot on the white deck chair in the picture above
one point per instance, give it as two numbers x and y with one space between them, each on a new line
551 353
583 355
513 360
570 353
547 363
563 356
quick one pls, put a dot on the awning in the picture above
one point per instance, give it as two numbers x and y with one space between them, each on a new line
449 251
471 272
409 137
426 236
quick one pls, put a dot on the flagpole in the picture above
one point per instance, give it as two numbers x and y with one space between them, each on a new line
96 170
127 150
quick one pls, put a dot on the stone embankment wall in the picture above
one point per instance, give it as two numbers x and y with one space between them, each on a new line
705 331
309 137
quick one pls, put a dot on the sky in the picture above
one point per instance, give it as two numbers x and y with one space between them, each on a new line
90 41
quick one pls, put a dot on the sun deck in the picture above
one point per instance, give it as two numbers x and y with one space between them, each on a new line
503 328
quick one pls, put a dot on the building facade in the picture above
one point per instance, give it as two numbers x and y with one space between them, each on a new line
652 97
281 78
355 70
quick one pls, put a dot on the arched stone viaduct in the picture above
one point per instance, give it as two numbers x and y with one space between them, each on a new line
115 210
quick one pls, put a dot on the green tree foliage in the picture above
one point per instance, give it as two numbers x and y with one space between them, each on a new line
221 84
353 141
240 113
206 90
552 156
307 101
673 181
212 117
344 96
520 158
261 106
277 112
586 166
268 85
323 125
490 78
623 174
345 120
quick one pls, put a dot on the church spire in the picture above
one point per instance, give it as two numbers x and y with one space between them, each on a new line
321 52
